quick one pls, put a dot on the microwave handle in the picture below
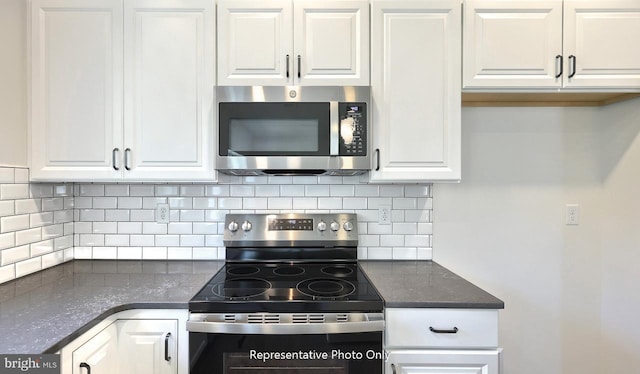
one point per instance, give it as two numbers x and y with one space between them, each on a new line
334 138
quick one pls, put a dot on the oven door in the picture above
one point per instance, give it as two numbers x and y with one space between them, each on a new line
289 348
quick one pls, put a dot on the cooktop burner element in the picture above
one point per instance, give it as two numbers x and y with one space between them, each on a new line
241 288
327 288
288 270
289 263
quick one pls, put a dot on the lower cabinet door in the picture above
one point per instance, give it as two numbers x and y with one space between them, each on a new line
443 361
99 354
147 346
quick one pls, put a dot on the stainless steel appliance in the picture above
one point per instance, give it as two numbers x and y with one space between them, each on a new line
293 130
290 298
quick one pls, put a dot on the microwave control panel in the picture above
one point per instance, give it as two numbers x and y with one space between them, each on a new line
353 129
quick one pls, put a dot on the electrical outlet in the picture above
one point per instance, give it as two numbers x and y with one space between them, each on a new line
572 216
384 215
162 213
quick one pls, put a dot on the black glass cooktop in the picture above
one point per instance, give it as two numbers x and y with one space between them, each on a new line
267 287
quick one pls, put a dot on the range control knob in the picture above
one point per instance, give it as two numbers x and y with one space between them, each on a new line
246 226
348 226
233 226
335 226
322 226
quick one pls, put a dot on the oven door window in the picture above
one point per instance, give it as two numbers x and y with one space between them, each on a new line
274 129
287 354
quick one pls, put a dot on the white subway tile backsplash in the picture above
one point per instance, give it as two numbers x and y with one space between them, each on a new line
21 206
205 253
7 208
405 228
62 216
267 190
241 190
404 203
7 175
342 190
254 203
417 241
41 219
142 240
67 228
180 202
405 253
91 240
93 215
192 240
367 191
7 273
53 231
116 190
425 228
40 190
206 228
205 203
105 253
14 223
255 179
230 203
22 175
378 229
119 240
141 190
154 228
28 236
167 240
179 253
129 202
52 203
14 191
152 202
154 253
292 190
114 215
416 191
379 253
279 179
392 240
91 190
180 228
378 202
369 240
316 190
166 190
329 179
83 202
63 243
41 248
13 255
52 259
217 190
215 215
142 215
192 191
7 240
354 203
129 227
214 240
83 227
329 203
68 202
425 203
305 179
392 191
82 253
192 215
62 190
27 267
416 216
305 203
279 203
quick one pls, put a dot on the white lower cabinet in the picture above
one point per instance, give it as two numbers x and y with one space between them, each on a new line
131 342
436 341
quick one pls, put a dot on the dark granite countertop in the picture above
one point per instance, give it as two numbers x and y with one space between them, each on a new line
43 311
425 284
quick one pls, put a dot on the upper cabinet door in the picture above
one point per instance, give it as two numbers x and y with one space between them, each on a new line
415 84
169 78
602 37
255 44
512 44
76 89
331 42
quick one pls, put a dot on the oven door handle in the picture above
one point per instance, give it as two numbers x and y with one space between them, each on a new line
372 325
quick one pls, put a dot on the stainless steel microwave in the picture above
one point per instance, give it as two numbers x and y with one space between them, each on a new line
293 130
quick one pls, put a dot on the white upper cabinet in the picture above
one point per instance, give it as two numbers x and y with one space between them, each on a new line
76 88
512 43
122 89
531 44
284 42
602 37
168 85
415 85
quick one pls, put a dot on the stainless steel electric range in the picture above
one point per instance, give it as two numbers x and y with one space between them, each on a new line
291 298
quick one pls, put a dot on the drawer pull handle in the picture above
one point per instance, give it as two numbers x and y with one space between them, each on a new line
393 369
438 331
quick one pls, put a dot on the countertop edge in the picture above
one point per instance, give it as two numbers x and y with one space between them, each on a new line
443 305
109 312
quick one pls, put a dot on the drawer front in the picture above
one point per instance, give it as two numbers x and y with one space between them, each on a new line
412 328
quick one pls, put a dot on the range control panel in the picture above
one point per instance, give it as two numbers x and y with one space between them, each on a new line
291 229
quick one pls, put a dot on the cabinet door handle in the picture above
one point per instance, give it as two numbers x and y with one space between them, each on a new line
287 66
114 158
127 153
166 347
299 65
377 159
559 63
572 66
86 366
393 369
438 331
